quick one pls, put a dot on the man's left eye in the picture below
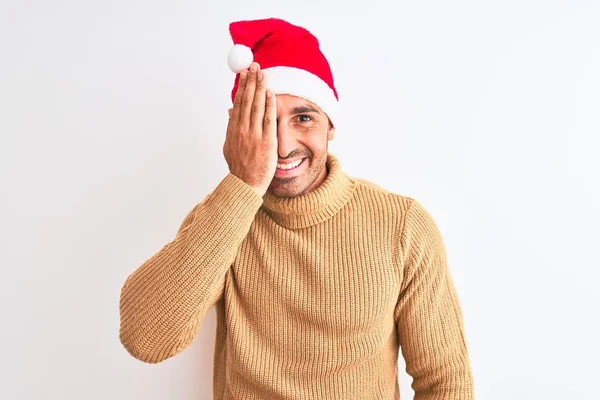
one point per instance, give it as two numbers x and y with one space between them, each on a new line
308 119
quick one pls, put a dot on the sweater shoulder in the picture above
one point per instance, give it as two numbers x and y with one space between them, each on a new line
395 206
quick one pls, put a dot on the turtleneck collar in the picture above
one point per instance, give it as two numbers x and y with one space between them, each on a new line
316 206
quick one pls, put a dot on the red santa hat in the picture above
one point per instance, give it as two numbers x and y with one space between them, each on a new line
290 57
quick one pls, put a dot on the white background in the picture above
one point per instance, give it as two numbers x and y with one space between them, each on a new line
112 121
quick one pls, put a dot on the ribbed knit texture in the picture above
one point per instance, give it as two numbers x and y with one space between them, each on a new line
314 295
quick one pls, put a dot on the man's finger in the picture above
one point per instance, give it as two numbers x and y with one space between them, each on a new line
237 100
270 120
248 98
258 105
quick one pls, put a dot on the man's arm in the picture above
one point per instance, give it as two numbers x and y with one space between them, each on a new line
428 314
164 301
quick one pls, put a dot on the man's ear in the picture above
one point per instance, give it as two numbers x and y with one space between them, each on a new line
331 131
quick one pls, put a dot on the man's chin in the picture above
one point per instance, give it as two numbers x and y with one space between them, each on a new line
284 187
282 193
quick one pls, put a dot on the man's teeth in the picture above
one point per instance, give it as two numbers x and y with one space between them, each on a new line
289 166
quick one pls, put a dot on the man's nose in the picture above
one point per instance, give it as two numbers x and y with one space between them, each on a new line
285 141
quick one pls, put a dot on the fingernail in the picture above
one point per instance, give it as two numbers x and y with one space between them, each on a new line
253 68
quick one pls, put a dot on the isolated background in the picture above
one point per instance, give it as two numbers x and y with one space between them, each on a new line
112 121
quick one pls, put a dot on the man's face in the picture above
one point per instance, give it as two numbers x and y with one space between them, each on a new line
303 132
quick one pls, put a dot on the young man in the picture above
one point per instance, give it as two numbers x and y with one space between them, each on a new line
318 278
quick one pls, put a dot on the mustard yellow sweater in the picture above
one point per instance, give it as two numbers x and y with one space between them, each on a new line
314 295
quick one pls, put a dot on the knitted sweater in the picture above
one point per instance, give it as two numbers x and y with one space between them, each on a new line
314 295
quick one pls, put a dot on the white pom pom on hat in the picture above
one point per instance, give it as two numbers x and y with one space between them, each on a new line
240 57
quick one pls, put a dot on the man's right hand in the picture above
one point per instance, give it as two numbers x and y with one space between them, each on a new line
250 148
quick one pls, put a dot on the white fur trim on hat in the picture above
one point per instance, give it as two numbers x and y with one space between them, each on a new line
301 83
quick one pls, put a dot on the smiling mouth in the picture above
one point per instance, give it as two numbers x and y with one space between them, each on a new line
287 175
290 166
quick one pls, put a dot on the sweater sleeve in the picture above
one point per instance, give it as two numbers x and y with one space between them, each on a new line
163 302
428 314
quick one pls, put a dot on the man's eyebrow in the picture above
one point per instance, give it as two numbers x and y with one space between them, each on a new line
304 109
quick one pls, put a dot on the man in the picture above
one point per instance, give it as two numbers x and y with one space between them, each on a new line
318 278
